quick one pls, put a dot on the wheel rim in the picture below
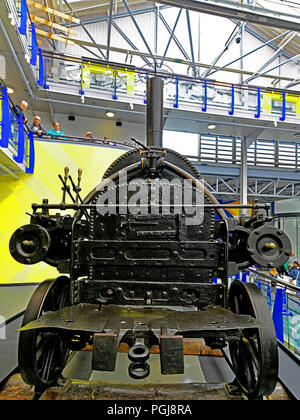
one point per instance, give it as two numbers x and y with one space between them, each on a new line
255 356
42 355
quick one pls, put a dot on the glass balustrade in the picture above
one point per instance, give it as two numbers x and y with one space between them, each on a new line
179 90
283 299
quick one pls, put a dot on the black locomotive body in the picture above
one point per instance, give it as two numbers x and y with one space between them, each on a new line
139 264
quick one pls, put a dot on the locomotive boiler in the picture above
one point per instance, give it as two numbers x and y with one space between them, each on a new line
145 260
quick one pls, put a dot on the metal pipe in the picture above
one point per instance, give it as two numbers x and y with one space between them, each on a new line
155 114
244 177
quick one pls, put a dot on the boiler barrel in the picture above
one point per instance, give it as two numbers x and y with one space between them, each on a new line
155 111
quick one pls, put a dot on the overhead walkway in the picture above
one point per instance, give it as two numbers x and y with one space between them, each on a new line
58 79
116 83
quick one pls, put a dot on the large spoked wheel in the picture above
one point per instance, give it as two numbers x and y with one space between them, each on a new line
255 357
42 355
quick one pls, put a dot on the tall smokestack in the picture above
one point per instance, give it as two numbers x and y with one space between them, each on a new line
155 111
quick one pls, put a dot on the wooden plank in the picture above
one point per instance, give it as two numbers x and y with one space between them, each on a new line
51 11
52 24
53 36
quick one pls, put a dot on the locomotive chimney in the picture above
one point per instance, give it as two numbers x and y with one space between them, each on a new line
155 111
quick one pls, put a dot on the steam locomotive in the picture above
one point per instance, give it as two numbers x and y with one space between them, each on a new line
138 264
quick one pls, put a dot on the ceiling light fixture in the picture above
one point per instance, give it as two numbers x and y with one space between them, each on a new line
10 90
211 126
110 114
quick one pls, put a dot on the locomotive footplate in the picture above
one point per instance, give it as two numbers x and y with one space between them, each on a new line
141 328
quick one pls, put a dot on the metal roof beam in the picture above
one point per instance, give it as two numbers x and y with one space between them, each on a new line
167 26
240 11
84 28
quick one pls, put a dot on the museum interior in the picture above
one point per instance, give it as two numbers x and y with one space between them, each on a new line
150 202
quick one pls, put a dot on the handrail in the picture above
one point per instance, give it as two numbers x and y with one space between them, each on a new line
275 280
82 140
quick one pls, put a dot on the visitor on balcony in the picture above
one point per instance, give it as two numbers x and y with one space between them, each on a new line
36 127
20 109
294 273
89 135
56 132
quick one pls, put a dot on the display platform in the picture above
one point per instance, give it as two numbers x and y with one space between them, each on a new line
206 378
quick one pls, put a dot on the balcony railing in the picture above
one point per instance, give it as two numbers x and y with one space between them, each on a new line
181 91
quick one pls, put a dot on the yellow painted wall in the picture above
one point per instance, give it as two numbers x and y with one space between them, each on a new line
16 197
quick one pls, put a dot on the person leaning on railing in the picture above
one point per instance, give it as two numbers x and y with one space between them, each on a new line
89 135
20 109
56 132
36 127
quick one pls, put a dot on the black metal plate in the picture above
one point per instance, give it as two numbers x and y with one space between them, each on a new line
88 318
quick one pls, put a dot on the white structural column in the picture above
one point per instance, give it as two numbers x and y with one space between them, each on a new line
246 143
